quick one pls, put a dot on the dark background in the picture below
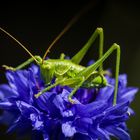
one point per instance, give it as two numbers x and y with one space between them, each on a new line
37 24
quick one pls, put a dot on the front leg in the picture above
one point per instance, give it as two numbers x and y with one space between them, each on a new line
75 82
24 64
9 68
49 87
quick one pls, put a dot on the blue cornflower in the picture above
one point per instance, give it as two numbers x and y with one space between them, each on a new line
53 117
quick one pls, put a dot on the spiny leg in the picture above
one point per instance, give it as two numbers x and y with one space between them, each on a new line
24 64
90 69
79 56
75 89
65 82
48 88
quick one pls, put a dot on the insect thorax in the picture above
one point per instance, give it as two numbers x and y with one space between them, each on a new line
66 69
59 68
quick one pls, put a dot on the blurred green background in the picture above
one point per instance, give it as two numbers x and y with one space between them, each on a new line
37 24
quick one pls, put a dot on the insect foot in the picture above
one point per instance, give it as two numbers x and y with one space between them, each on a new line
8 68
71 100
38 94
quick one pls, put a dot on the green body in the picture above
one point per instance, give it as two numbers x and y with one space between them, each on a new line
70 72
66 69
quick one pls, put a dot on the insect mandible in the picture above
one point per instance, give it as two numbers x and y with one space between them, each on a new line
69 72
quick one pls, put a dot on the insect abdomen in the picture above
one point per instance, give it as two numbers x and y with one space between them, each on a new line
97 81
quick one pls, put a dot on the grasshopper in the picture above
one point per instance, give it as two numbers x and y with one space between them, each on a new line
69 72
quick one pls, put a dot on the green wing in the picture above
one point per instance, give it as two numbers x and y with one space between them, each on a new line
62 69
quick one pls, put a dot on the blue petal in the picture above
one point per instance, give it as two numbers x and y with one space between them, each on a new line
128 94
105 94
6 92
35 77
6 105
118 109
115 115
21 125
99 133
54 117
45 136
8 117
18 78
37 123
44 100
118 132
62 103
58 101
68 129
123 80
19 82
130 111
34 69
45 103
83 124
91 109
26 109
86 96
90 62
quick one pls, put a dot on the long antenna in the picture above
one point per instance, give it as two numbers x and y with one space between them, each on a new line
67 27
19 44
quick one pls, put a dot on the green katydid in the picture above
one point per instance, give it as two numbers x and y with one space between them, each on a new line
69 72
